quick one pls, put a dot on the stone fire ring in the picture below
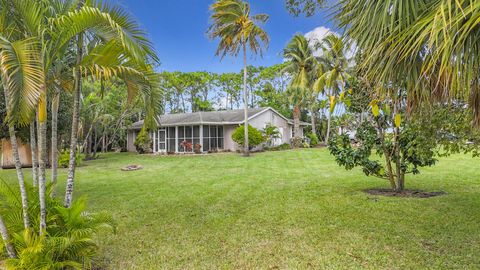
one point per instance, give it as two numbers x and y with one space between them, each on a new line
130 168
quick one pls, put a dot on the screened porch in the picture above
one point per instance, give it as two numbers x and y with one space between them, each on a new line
183 139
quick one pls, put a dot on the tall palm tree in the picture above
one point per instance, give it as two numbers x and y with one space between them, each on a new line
332 72
238 30
301 65
20 73
429 46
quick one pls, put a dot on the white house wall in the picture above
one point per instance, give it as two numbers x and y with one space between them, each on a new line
261 121
229 144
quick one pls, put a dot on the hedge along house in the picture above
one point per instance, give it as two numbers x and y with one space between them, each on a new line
211 130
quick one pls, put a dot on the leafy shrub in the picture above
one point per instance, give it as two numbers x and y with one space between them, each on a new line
69 241
143 142
255 137
64 159
313 139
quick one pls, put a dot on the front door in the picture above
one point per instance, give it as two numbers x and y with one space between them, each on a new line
162 140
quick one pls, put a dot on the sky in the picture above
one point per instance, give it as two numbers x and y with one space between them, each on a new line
178 28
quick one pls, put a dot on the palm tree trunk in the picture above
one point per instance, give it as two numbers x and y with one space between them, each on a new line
314 122
42 161
55 104
296 126
327 136
75 120
6 239
246 150
18 164
33 146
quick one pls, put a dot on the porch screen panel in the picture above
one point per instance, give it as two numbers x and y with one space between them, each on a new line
213 138
188 137
220 137
181 138
171 139
206 138
196 136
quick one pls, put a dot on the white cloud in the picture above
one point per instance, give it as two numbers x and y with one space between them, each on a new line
315 36
318 34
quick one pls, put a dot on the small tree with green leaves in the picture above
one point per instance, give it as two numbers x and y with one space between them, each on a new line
255 136
143 142
271 133
390 148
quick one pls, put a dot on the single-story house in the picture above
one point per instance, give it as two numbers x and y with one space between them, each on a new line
211 130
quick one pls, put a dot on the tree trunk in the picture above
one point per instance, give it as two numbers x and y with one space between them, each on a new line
246 150
104 150
33 146
75 120
18 164
314 122
329 120
396 149
388 160
6 239
296 126
55 104
42 161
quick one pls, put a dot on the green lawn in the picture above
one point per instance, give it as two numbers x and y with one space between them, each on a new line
293 209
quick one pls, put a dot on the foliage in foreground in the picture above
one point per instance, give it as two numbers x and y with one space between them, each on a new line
143 142
64 159
69 239
255 136
405 146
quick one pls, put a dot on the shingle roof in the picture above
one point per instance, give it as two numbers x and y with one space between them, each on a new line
197 118
217 117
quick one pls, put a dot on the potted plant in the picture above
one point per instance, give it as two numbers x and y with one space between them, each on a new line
198 148
187 146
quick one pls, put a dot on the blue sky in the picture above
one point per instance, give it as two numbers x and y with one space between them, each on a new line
178 31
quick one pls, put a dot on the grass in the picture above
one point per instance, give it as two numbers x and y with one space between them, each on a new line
292 209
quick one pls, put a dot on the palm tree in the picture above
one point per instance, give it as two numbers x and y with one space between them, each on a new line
122 51
332 72
429 47
301 64
20 72
238 30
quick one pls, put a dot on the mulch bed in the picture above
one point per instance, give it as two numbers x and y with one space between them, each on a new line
130 168
405 193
